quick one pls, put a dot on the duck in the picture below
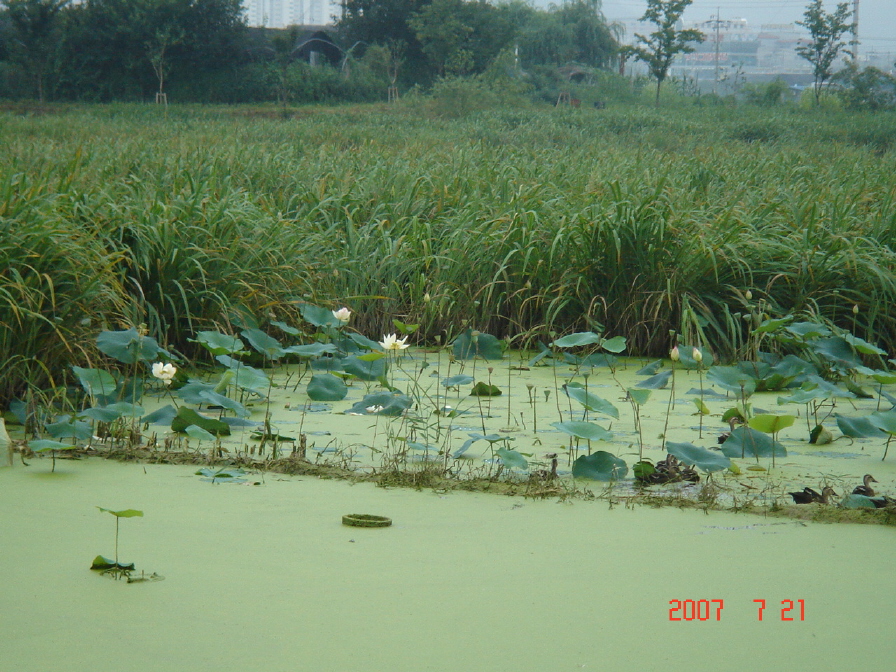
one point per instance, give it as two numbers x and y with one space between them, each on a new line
810 496
865 489
883 501
807 496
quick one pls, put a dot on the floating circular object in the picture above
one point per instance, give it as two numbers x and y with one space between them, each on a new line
366 520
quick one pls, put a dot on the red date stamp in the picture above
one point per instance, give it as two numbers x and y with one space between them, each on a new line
711 610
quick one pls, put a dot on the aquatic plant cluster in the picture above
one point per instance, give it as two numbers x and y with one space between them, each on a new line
524 224
422 413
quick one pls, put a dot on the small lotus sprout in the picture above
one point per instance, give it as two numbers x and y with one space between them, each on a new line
164 372
343 315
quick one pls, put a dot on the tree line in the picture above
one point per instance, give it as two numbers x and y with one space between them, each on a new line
202 50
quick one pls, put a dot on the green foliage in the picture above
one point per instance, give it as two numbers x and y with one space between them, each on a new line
769 94
599 466
660 48
825 43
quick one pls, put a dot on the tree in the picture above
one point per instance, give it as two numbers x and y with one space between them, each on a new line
826 31
660 48
33 25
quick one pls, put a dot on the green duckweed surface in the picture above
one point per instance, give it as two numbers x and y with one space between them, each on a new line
267 578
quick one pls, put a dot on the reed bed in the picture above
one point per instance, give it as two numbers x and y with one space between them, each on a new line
519 223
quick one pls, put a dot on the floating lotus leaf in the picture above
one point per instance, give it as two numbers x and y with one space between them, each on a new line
187 416
599 466
326 387
584 430
219 344
748 442
858 428
702 458
512 459
128 346
657 382
481 389
476 344
590 401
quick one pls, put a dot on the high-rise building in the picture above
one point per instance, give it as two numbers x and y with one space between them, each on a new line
282 13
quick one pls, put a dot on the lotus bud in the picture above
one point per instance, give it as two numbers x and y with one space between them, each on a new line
343 315
855 309
697 355
749 295
674 355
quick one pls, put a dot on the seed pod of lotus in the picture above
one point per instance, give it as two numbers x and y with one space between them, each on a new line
674 355
697 355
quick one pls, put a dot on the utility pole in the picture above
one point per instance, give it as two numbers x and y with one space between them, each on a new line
718 21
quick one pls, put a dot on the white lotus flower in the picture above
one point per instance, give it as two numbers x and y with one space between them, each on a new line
343 314
164 372
392 342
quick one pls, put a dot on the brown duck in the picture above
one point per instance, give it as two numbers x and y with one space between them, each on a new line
865 489
809 496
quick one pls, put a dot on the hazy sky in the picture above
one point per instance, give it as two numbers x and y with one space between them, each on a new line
877 18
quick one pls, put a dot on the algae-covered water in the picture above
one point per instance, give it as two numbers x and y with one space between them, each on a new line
524 417
267 578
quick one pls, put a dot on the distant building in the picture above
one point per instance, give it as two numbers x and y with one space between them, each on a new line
283 13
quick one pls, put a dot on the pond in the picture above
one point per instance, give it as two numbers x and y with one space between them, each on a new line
266 577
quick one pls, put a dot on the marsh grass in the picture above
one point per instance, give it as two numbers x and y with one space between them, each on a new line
517 223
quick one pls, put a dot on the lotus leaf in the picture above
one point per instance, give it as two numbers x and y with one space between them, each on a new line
599 466
746 441
590 401
858 428
128 346
706 460
584 430
326 387
477 344
512 459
